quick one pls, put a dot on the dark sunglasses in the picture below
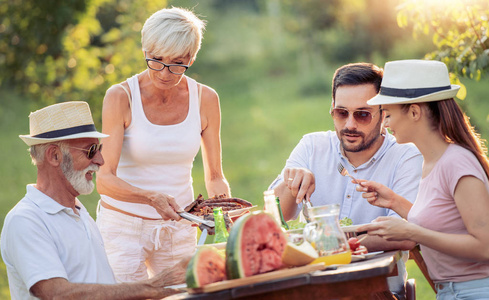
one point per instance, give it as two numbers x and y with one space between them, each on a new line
363 117
91 151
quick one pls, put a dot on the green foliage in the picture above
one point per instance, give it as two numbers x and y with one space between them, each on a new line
32 31
459 30
77 52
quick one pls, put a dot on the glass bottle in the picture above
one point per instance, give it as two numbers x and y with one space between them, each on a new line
221 233
282 220
271 205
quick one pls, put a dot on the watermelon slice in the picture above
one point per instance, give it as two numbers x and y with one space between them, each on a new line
206 266
255 245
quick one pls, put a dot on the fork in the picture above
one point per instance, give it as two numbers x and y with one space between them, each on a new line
344 172
305 209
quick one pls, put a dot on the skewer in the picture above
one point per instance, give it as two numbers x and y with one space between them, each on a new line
361 239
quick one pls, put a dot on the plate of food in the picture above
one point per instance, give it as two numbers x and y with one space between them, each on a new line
368 255
202 206
215 245
346 225
237 212
351 228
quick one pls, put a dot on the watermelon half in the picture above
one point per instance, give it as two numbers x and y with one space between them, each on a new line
206 266
255 245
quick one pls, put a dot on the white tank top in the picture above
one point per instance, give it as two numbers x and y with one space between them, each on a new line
159 157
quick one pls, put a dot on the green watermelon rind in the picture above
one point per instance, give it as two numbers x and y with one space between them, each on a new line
234 266
191 274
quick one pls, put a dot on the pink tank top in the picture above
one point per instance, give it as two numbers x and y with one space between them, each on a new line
159 157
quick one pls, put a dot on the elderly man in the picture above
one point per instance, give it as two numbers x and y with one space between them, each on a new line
49 243
363 147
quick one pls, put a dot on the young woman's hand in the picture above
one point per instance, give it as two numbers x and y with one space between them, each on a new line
389 228
376 193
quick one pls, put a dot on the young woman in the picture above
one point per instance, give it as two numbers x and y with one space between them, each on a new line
449 217
157 121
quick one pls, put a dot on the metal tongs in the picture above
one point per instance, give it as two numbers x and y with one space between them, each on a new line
193 218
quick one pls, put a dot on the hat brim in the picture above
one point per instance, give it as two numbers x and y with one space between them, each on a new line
441 95
32 141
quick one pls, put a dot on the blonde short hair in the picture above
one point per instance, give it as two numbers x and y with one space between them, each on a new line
172 32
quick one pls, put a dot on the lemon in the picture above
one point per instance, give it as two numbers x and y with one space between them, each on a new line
299 255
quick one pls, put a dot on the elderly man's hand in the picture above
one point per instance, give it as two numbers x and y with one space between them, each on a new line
171 276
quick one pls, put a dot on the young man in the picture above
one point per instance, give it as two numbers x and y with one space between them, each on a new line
50 244
363 147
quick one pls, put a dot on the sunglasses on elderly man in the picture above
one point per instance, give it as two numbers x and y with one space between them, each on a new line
91 151
363 117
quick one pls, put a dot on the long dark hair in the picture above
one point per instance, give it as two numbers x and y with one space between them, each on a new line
454 125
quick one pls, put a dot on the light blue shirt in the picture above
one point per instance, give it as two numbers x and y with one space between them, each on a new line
397 166
41 239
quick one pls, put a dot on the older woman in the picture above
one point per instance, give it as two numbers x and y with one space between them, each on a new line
449 217
157 121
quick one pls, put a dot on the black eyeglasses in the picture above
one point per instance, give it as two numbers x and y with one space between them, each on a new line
157 65
363 117
91 151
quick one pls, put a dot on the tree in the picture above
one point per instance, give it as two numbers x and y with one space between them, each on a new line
71 50
460 31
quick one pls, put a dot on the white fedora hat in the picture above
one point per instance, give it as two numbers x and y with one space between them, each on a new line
62 121
414 81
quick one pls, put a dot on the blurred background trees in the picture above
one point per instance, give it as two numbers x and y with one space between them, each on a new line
459 30
57 50
75 49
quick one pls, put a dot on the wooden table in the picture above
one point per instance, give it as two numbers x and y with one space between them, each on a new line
359 280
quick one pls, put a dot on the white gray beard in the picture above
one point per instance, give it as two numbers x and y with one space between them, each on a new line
77 178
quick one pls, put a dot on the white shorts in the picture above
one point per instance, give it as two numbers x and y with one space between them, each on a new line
138 249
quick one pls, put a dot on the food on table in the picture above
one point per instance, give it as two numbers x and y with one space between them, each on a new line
203 206
206 266
355 247
255 245
211 230
298 255
346 222
295 224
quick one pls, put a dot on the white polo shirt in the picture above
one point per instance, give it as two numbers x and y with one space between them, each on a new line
41 239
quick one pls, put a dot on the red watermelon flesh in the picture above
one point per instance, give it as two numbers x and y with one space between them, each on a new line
206 266
262 245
